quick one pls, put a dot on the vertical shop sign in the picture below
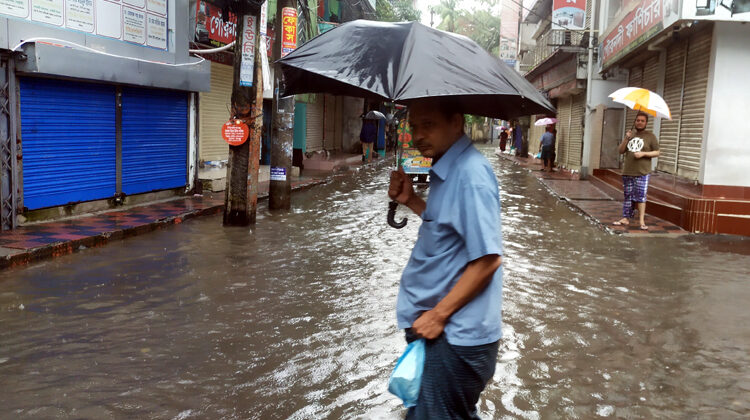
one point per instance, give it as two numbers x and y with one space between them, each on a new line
247 65
288 30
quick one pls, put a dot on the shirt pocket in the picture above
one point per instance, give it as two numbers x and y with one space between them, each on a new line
436 238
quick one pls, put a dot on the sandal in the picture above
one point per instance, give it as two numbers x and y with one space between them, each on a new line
644 227
621 223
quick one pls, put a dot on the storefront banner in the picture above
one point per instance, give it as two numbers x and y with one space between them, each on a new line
569 14
721 10
210 27
643 21
247 65
288 30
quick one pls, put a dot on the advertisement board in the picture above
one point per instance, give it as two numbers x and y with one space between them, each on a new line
411 160
569 14
724 10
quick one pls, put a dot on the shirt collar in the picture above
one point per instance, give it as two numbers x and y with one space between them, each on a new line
445 163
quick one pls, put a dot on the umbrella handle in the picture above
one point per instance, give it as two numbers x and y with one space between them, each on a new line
392 216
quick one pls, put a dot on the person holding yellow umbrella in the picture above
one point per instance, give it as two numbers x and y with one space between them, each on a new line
639 148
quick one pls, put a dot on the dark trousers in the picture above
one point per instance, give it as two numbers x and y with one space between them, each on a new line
453 378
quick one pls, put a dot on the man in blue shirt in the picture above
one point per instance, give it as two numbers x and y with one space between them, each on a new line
547 147
451 289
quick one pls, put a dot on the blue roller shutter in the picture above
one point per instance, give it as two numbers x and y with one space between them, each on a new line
154 139
68 135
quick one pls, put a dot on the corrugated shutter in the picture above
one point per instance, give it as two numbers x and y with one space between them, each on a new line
694 105
214 112
154 139
69 142
329 142
575 139
535 135
635 79
673 80
651 81
563 129
315 125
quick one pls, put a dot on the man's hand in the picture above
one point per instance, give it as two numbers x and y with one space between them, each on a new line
401 189
639 155
429 325
628 134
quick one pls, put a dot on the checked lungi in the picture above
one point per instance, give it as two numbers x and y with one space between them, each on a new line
635 189
452 380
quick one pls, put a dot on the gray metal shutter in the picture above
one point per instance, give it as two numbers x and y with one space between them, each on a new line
635 79
329 140
563 129
315 125
673 80
651 82
214 112
694 105
575 138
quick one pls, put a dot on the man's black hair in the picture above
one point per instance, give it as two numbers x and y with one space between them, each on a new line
641 113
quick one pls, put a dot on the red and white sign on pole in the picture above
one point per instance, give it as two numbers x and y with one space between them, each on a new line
569 14
235 132
247 65
288 30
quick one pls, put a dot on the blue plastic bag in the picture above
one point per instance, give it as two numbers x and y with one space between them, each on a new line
407 375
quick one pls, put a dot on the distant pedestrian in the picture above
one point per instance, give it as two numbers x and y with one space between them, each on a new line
547 147
503 139
639 148
367 136
518 139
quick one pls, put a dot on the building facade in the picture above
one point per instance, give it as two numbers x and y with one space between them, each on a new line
98 105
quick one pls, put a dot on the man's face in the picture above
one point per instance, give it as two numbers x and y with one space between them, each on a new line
640 122
432 132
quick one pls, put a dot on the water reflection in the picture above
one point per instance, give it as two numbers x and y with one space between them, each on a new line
295 318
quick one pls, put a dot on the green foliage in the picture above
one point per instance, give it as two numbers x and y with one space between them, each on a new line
396 11
482 26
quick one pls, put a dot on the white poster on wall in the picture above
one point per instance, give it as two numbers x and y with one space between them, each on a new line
156 28
79 14
47 11
157 6
108 19
18 8
247 63
133 25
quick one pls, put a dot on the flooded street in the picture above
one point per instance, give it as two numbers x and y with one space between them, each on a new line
295 318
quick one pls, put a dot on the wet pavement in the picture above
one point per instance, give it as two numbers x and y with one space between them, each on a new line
294 318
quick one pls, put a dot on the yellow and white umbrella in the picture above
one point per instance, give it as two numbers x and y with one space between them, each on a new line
640 99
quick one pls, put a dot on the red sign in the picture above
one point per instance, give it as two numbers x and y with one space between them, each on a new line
235 132
288 30
210 27
643 21
569 14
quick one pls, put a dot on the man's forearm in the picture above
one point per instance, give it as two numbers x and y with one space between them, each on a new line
416 204
475 278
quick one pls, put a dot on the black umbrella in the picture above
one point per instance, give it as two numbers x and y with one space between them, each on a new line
398 62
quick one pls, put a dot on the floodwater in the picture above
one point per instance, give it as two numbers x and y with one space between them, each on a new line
295 318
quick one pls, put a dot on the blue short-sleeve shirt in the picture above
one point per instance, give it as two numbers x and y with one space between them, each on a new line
460 224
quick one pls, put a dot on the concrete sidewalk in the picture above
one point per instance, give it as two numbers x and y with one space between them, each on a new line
34 242
594 203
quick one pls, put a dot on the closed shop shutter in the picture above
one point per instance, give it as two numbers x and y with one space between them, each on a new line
69 142
694 105
635 79
315 125
575 139
563 129
154 139
673 80
329 142
535 134
213 113
651 81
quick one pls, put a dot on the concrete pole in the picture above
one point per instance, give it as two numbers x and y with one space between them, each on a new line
241 198
282 137
588 138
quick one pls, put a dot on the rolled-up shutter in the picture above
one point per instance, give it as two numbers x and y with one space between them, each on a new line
694 105
315 125
672 96
575 139
651 81
563 129
635 79
69 142
154 139
213 111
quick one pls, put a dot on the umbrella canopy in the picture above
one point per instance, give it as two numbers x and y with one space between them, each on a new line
640 99
374 115
400 62
546 121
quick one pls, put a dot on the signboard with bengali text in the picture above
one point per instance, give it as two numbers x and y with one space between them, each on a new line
288 30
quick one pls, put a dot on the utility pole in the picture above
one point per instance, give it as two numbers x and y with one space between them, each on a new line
282 139
241 199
